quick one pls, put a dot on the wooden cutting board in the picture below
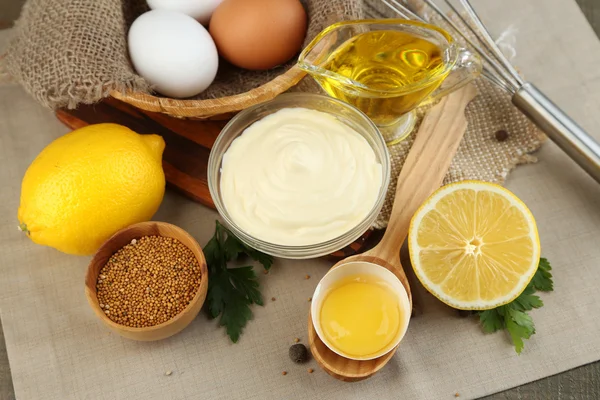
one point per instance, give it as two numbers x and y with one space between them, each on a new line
188 144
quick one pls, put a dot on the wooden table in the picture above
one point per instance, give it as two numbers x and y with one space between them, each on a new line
579 383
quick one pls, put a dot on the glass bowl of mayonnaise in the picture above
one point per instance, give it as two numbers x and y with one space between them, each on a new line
299 176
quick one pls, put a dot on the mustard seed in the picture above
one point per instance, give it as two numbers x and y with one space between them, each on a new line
140 282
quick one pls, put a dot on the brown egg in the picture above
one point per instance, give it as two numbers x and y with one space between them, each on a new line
258 34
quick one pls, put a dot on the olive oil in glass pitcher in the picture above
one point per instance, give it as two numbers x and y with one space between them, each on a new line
387 68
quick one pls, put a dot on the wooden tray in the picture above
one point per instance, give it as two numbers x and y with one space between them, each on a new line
188 144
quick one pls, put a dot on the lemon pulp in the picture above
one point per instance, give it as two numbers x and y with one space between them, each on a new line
360 316
474 245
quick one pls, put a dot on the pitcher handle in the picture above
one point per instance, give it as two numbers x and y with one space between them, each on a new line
467 68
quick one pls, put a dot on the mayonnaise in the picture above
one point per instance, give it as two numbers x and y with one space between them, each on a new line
299 177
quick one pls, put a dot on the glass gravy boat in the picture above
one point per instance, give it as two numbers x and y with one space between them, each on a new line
387 68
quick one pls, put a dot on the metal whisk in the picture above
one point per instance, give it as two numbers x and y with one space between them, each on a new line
559 127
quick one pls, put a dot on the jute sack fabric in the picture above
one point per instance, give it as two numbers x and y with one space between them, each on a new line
480 155
67 52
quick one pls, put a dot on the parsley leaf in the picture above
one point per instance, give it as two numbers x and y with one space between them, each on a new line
513 316
212 252
542 280
217 293
264 259
246 282
522 319
235 315
491 321
233 247
517 333
231 291
527 300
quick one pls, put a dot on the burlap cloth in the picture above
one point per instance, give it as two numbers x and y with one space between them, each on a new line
480 155
58 349
66 52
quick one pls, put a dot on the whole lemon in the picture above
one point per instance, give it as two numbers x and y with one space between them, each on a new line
90 183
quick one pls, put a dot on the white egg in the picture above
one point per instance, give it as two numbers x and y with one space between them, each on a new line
198 9
173 52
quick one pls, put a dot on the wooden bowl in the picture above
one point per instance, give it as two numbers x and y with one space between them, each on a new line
222 108
124 237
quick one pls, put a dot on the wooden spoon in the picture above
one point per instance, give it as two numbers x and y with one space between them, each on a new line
428 161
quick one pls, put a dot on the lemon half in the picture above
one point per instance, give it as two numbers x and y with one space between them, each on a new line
474 245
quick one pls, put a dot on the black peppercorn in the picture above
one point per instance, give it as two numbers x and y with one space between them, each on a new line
298 353
501 135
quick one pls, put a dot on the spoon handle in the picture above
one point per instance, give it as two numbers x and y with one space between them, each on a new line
427 163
